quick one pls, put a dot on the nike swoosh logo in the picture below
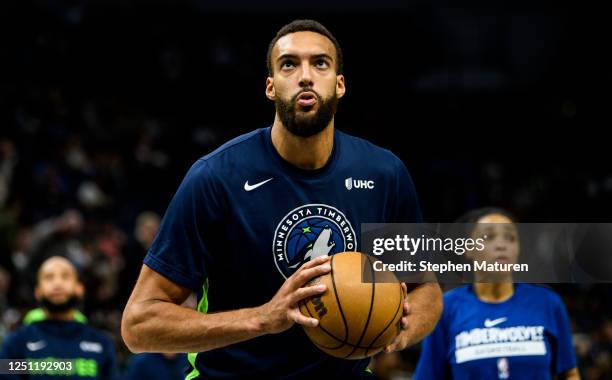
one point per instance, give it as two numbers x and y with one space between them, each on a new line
491 323
90 346
248 187
35 346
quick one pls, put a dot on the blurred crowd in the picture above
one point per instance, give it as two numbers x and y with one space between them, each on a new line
95 137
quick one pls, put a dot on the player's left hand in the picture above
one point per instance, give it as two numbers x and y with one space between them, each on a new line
401 340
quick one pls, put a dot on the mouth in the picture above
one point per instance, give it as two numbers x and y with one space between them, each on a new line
58 294
306 99
502 259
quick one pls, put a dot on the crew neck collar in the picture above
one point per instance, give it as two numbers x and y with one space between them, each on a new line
293 170
509 299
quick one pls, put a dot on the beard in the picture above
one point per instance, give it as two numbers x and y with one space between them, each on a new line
302 124
52 307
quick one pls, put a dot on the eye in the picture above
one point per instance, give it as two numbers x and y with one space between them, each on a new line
322 64
286 65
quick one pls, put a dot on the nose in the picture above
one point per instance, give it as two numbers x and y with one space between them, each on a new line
305 75
500 246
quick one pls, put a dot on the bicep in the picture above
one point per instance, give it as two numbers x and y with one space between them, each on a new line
154 287
153 305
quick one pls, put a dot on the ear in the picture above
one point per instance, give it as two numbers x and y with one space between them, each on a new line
79 291
37 293
270 91
340 86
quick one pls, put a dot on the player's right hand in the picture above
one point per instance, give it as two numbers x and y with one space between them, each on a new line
283 311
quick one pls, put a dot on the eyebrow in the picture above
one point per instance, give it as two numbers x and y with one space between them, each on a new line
322 55
510 227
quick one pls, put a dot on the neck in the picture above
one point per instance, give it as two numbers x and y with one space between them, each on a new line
303 152
494 292
62 316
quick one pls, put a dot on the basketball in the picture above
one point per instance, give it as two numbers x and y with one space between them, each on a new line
356 319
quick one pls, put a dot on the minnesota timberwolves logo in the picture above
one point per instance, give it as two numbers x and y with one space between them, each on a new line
310 231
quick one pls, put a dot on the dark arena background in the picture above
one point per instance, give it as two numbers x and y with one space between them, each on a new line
105 104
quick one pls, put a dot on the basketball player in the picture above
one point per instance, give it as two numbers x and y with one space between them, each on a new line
255 220
58 331
495 329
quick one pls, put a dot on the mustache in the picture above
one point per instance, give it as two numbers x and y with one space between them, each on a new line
306 89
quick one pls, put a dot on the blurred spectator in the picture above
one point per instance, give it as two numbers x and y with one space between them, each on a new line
8 163
155 366
145 230
5 280
61 235
58 330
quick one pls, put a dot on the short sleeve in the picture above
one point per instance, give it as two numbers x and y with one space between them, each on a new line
563 350
180 251
407 209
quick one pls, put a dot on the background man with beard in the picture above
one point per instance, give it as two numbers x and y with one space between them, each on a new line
246 213
57 331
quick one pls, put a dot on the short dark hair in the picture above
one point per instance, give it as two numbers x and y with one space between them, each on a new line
466 223
305 26
473 216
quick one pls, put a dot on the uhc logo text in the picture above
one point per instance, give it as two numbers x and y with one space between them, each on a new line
351 183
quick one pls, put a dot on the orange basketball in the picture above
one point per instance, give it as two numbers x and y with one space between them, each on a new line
356 319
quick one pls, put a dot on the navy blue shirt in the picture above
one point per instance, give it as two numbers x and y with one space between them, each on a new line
92 351
155 366
526 337
244 219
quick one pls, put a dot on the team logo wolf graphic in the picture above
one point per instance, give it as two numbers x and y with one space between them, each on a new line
308 232
321 247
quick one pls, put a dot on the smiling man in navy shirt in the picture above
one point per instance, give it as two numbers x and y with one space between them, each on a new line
255 220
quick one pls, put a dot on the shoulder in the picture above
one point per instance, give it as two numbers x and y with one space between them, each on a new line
371 154
15 342
17 338
98 336
539 292
237 147
232 154
458 294
363 146
457 298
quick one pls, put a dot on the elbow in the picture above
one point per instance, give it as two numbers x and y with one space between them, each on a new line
130 330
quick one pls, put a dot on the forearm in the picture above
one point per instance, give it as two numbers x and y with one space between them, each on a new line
153 322
425 309
157 326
